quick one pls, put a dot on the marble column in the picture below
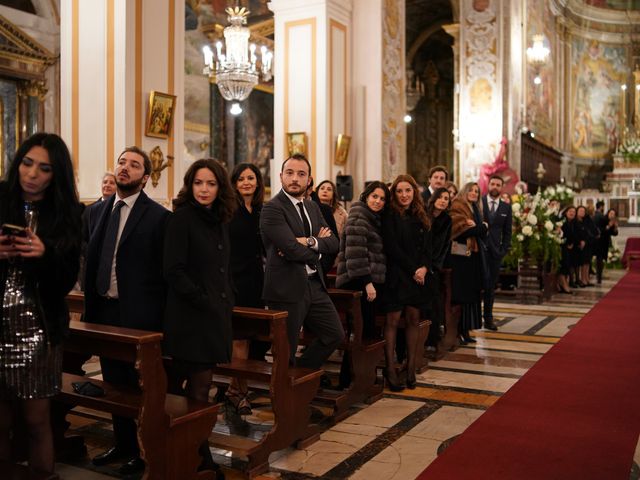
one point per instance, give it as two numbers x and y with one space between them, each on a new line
453 30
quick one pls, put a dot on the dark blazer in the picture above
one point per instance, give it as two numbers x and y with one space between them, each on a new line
51 276
280 223
426 195
500 223
141 286
197 321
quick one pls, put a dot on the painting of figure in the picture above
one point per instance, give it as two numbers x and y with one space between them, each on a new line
597 72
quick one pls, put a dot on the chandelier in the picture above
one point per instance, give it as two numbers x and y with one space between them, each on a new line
237 68
537 56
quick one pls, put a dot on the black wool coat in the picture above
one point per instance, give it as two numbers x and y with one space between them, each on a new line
247 256
197 326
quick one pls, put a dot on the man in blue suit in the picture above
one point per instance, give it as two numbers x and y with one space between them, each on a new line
124 285
499 217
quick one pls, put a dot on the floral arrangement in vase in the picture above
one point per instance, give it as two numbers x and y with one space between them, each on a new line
630 149
537 227
560 193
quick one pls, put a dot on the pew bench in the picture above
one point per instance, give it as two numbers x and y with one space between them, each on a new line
363 356
170 427
291 390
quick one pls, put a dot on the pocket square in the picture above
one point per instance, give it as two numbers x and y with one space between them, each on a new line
503 214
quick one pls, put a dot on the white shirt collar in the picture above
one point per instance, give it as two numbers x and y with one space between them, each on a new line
294 200
129 201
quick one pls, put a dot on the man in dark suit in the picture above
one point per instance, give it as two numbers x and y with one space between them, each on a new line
498 215
438 176
295 236
124 285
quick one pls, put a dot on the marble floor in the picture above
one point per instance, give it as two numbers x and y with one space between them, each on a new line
396 437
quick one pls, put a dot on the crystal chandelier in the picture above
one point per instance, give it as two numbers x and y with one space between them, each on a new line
537 56
237 68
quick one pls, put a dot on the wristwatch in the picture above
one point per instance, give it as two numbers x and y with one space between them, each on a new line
311 242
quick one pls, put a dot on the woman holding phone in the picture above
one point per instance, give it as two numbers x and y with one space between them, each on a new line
39 261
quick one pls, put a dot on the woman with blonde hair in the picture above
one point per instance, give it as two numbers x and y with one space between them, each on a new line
467 232
407 244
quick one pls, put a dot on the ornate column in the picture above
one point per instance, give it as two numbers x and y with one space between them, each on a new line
454 31
481 102
311 90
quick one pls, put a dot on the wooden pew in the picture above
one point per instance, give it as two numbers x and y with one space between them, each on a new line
170 427
291 390
16 471
364 356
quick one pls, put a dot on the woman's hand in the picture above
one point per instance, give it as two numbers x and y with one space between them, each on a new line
30 246
419 275
471 223
7 247
371 292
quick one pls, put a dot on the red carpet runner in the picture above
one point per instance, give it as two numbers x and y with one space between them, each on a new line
574 415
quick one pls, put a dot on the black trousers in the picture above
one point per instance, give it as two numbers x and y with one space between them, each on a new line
490 292
316 312
118 373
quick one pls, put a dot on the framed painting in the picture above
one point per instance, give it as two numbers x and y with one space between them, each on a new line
297 143
342 149
160 114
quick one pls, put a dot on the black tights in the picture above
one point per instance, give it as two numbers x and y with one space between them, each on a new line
411 319
37 420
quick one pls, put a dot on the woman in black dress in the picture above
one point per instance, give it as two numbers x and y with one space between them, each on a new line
567 261
583 251
467 229
437 211
407 244
197 327
38 267
247 260
608 228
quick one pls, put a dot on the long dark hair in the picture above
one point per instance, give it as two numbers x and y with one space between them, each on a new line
370 187
334 199
60 201
258 195
417 206
224 204
431 206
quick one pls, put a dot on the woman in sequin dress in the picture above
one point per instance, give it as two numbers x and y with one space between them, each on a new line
37 270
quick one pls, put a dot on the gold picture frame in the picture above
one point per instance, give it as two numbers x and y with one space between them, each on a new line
297 143
342 149
160 114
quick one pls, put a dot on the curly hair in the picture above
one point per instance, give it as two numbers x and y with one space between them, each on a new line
417 206
224 204
258 195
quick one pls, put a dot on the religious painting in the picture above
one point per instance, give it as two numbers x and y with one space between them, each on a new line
540 94
160 114
342 149
297 143
258 120
598 70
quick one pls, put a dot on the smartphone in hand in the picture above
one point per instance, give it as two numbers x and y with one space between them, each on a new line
13 230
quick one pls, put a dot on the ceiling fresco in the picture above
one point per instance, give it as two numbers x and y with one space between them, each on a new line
615 4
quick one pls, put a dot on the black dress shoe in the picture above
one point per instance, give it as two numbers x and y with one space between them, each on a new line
462 340
489 325
133 466
110 456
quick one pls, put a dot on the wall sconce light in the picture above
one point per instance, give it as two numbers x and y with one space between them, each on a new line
158 164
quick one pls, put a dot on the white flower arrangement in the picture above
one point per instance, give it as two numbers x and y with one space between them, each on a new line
548 225
531 218
527 230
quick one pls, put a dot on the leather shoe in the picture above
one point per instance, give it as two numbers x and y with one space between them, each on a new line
110 456
489 325
133 466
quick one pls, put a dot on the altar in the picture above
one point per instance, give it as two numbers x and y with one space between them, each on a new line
622 187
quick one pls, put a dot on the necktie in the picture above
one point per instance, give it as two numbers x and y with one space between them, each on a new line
305 222
493 206
103 278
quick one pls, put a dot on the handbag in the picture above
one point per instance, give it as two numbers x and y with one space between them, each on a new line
458 248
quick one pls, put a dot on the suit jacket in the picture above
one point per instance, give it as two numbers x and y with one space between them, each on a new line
285 275
141 286
500 223
426 195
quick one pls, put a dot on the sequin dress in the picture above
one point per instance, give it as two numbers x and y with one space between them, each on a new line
30 367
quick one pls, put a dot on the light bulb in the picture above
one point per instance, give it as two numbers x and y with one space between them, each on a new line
407 118
537 80
235 109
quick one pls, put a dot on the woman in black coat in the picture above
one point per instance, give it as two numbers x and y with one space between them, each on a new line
608 228
567 263
39 262
407 243
467 231
197 327
247 271
437 211
584 241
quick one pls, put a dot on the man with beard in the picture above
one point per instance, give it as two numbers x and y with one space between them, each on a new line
497 214
295 236
124 285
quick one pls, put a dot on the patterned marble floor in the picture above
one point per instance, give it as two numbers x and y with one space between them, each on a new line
398 436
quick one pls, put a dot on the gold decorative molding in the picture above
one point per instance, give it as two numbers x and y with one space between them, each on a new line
33 88
20 55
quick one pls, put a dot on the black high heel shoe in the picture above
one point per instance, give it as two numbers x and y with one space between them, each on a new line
462 339
393 383
470 339
411 381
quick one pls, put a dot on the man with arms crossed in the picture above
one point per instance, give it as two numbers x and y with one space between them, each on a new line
295 236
